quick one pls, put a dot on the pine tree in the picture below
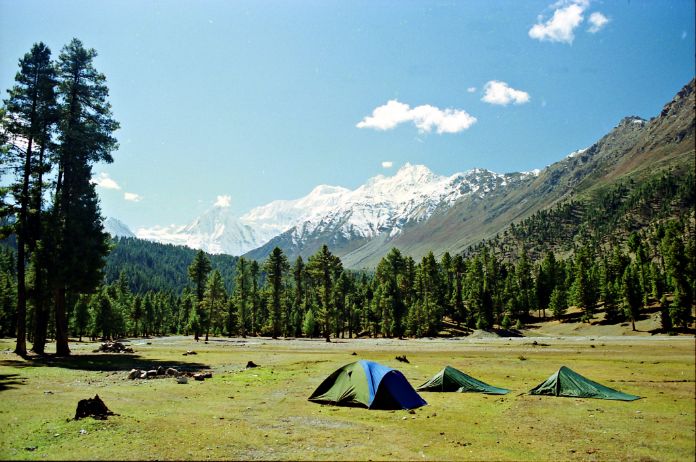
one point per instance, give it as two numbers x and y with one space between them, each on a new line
276 267
198 272
665 318
523 274
255 315
632 295
85 131
101 315
447 274
241 295
136 313
299 278
558 303
546 281
186 303
583 291
214 298
341 293
308 323
81 316
324 268
8 322
148 314
457 301
30 115
431 294
390 271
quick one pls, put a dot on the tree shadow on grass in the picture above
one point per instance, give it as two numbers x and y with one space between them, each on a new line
103 362
8 381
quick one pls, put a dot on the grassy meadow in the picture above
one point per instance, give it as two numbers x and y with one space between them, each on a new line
263 413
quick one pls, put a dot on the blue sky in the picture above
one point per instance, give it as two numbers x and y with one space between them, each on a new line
262 100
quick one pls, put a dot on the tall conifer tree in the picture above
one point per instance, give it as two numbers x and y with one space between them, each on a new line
276 268
85 137
30 115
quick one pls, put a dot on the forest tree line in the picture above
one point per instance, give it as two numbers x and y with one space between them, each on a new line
403 297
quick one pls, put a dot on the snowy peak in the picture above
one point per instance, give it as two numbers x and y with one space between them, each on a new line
116 228
215 231
414 174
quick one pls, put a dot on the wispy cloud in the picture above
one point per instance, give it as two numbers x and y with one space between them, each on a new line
387 164
425 118
597 22
223 201
104 181
132 197
471 90
497 92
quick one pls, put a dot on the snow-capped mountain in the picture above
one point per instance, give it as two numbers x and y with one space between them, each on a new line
380 207
117 228
216 231
387 203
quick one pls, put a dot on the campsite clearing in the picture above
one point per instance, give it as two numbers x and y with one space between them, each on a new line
263 412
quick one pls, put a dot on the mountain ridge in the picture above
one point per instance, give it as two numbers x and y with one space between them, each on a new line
417 210
333 213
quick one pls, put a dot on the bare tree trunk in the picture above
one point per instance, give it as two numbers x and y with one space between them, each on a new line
62 348
40 303
21 347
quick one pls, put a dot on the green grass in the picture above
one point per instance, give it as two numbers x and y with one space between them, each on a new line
263 413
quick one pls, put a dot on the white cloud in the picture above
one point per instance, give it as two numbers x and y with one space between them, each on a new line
425 118
471 90
387 164
223 201
104 181
132 197
496 92
567 16
597 22
561 27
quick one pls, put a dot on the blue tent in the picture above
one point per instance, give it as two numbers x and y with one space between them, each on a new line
368 384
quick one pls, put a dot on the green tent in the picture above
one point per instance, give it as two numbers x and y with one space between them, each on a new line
566 382
451 379
367 384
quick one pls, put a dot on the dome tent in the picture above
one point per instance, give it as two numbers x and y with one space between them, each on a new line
367 384
568 383
451 379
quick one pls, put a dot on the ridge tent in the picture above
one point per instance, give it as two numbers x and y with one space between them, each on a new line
451 379
568 383
367 384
